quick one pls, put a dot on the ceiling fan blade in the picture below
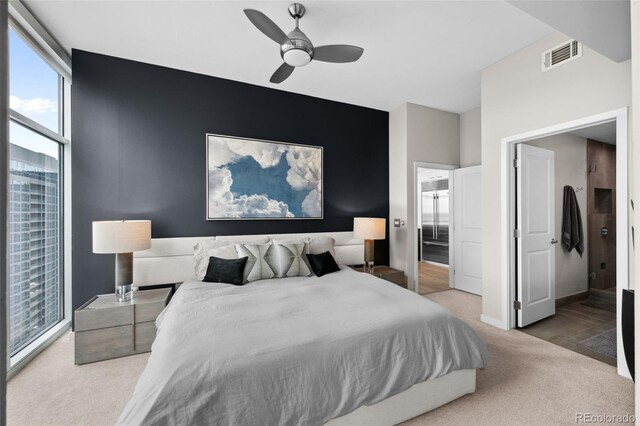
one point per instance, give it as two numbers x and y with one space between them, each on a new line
267 26
281 73
337 53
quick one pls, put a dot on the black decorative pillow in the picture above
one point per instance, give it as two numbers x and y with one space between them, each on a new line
323 263
225 270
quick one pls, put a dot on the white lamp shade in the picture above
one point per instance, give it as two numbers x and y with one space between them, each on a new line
369 228
121 236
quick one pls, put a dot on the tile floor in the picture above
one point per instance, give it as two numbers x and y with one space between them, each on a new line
573 323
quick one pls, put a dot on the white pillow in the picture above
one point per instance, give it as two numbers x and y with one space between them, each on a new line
260 262
300 240
204 250
319 245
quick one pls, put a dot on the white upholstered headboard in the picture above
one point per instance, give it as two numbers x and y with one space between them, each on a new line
170 260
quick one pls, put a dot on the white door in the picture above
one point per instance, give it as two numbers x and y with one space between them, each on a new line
467 229
536 286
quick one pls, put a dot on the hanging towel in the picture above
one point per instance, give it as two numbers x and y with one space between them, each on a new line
572 236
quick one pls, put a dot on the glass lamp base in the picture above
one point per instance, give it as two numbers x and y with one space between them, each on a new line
368 267
123 293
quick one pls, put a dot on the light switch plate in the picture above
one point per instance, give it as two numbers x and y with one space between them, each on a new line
398 223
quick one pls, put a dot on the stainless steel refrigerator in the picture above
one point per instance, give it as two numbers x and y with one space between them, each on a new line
435 221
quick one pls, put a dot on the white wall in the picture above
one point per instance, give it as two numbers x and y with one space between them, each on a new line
397 185
433 135
518 97
416 134
570 167
470 138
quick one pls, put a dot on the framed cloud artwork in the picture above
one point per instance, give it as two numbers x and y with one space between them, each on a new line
256 179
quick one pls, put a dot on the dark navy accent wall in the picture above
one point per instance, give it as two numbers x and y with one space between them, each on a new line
138 152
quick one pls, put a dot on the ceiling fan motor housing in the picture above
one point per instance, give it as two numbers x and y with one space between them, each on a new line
299 52
295 48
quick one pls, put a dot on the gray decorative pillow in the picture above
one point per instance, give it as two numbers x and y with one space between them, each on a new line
291 260
261 258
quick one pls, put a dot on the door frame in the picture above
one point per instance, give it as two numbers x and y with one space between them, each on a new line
413 239
508 187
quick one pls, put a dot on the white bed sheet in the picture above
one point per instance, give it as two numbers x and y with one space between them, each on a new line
290 351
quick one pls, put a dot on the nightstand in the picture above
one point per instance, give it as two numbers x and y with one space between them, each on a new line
106 328
387 273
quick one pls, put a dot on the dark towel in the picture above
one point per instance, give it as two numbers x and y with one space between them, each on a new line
571 222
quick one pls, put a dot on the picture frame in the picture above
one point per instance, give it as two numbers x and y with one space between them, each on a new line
256 179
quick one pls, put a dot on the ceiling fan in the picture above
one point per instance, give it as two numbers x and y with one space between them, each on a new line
295 48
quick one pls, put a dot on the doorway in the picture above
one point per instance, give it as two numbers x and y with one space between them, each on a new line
433 223
581 315
541 290
447 244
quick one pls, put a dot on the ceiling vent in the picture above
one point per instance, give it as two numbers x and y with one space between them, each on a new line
561 54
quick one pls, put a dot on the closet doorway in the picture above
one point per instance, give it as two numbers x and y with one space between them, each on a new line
433 222
568 246
448 238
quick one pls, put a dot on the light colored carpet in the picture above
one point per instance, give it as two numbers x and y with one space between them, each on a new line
528 381
51 390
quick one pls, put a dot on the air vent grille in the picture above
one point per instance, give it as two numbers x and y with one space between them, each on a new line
561 54
574 48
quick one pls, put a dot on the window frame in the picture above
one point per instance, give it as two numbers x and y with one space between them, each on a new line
26 26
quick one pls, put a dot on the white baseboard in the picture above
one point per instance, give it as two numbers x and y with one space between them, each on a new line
494 322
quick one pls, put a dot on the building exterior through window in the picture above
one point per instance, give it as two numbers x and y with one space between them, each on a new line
35 302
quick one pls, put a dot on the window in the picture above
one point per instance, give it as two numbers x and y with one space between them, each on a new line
36 285
33 84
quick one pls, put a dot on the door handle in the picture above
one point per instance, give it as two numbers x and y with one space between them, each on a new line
438 224
554 241
433 229
437 214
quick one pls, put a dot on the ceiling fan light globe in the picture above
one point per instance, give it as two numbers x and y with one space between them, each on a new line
296 57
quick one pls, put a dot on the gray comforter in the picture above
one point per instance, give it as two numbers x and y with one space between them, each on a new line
294 351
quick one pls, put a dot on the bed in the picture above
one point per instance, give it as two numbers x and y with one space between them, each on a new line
345 348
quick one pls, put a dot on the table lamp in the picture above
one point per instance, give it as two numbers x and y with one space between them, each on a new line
369 229
122 238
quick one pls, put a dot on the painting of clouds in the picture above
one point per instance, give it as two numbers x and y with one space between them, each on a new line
254 179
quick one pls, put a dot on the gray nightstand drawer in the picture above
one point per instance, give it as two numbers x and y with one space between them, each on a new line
91 318
145 334
106 343
146 312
